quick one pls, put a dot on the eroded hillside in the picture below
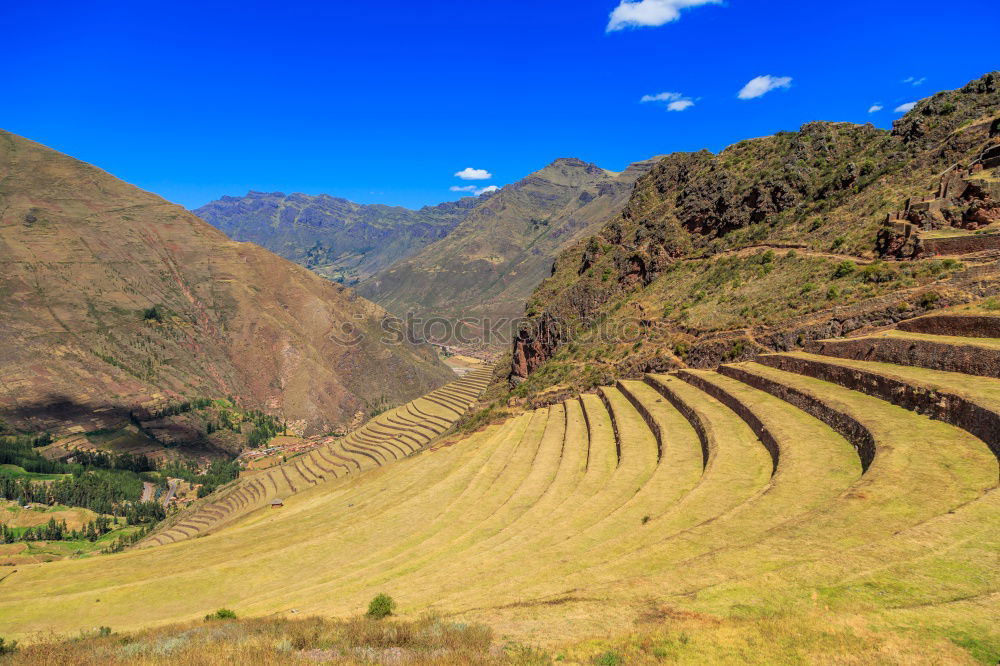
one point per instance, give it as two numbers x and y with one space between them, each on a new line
112 298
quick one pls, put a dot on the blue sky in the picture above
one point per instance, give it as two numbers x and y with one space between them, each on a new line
385 101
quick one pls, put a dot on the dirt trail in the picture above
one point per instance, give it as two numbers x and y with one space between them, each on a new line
801 250
147 491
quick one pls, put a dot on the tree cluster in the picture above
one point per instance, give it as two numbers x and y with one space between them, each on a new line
57 531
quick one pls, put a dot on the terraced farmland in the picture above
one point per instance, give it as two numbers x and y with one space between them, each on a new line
386 438
808 484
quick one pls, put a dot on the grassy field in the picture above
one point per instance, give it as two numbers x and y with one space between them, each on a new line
20 473
752 515
386 438
32 552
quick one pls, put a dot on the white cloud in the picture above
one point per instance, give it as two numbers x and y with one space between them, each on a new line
914 81
463 188
675 101
650 13
903 108
487 189
762 85
468 173
875 108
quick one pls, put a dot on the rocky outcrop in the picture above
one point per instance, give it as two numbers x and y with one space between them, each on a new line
535 342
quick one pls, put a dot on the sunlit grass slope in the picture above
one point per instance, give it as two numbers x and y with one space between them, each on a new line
737 504
388 437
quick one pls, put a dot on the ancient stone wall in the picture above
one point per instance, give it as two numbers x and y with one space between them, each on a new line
965 326
969 360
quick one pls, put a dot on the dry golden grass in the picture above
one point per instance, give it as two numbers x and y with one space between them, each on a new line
738 520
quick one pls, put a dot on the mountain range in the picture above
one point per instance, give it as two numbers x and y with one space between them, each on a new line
486 267
338 239
477 257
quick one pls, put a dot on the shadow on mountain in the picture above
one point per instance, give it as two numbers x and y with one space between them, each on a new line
60 414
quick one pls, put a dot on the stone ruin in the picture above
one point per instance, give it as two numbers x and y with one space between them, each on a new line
967 199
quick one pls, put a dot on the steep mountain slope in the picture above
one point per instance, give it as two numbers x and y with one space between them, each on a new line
112 298
489 263
336 238
771 243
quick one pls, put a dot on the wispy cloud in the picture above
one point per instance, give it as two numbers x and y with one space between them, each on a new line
874 108
468 173
904 108
463 188
674 101
762 85
914 81
487 189
650 13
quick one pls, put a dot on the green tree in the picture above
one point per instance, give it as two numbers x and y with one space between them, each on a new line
381 606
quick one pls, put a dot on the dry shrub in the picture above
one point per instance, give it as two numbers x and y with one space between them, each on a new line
278 640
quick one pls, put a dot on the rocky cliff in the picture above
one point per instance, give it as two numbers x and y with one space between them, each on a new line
717 257
112 298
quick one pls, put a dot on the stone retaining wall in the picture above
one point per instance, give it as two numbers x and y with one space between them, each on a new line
941 405
964 326
966 359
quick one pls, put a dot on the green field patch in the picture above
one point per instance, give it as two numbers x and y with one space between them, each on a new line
15 471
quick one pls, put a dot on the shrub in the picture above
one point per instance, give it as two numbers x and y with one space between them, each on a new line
156 313
735 351
878 272
645 519
832 293
991 304
929 299
844 269
221 614
7 648
609 658
838 242
381 606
